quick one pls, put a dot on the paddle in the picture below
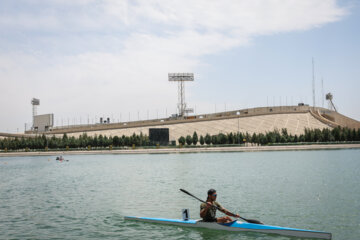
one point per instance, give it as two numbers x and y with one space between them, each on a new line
247 220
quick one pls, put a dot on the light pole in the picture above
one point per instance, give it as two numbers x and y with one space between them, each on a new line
238 114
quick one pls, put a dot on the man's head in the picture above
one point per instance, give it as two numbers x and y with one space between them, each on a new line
212 194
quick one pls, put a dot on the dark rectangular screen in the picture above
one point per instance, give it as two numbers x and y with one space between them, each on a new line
159 136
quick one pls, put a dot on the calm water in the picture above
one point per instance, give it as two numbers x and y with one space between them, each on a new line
88 196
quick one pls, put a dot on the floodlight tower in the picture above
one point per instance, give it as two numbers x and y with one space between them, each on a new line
34 102
181 78
331 105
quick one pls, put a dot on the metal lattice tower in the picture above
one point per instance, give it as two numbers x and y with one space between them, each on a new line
181 78
331 105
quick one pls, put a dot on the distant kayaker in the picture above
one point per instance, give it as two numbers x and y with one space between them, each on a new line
208 210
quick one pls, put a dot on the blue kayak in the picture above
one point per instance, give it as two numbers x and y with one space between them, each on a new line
237 226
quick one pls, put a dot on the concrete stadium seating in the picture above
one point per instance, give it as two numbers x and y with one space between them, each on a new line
295 123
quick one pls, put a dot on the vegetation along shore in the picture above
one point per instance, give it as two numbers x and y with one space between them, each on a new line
274 140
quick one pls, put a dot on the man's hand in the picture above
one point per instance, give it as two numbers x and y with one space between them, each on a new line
237 215
208 204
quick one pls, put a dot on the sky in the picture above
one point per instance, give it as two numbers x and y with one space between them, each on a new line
86 59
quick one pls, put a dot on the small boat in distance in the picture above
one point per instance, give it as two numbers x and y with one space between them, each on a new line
237 226
61 158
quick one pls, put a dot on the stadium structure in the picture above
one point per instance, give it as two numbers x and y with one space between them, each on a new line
252 120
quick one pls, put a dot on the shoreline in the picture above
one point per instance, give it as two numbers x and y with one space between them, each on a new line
187 150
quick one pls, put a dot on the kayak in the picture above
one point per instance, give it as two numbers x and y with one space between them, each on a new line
237 226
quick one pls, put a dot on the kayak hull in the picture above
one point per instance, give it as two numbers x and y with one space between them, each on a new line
237 226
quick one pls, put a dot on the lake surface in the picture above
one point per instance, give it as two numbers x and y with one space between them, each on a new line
89 196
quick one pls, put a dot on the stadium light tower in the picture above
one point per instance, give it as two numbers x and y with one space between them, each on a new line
331 105
34 102
181 78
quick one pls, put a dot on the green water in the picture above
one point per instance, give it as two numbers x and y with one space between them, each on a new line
88 196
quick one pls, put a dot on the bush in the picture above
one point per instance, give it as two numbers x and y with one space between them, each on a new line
181 140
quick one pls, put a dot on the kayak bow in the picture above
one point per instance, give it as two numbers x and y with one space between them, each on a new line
237 226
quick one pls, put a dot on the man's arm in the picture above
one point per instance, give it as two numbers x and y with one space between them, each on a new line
225 211
205 209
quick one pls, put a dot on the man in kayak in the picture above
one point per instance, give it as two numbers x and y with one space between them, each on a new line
208 210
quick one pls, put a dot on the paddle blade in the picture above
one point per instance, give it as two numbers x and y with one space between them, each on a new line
184 191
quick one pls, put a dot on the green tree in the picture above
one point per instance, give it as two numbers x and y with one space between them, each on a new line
271 138
195 138
222 138
326 135
231 138
207 139
214 139
106 142
352 134
181 140
301 138
72 142
336 133
317 135
141 139
241 138
116 141
357 138
254 138
127 141
135 139
262 139
285 134
202 141
277 136
95 141
309 135
188 140
101 140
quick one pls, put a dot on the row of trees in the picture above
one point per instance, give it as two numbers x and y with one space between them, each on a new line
310 135
83 141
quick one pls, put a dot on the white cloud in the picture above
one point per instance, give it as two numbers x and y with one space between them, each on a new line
123 50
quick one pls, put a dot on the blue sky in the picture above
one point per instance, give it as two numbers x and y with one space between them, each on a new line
87 58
